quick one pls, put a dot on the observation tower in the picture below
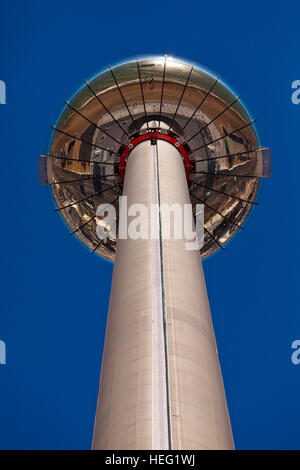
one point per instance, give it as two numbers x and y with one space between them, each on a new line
160 132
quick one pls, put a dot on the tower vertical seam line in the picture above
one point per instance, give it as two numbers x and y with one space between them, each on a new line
164 309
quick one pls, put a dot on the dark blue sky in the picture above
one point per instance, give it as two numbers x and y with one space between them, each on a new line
54 296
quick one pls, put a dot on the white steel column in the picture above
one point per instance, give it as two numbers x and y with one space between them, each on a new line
161 385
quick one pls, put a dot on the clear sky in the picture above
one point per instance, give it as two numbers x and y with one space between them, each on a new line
54 296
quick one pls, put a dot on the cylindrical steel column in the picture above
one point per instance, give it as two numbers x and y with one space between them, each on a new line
161 384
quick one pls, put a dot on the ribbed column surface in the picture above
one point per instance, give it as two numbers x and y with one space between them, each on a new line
161 385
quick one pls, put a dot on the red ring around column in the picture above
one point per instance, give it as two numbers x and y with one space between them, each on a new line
155 134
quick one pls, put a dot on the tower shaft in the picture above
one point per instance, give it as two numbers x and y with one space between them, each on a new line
161 385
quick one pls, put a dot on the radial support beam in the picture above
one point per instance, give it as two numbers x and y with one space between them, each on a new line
161 385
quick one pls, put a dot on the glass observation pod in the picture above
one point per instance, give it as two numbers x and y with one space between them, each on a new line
86 158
